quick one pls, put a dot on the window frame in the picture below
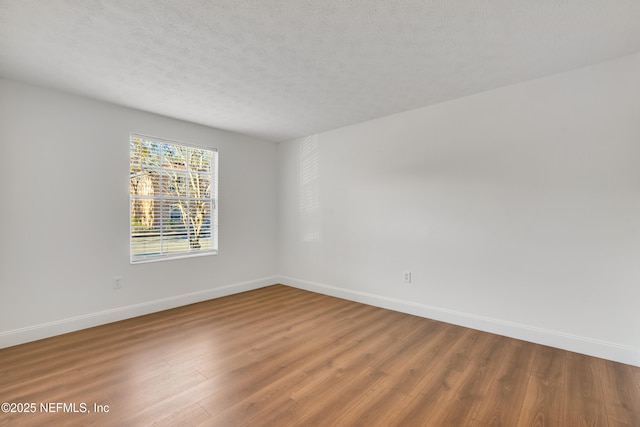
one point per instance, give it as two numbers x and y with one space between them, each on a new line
159 231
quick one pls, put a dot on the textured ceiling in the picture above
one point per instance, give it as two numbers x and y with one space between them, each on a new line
279 69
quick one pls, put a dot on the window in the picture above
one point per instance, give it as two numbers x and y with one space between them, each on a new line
173 199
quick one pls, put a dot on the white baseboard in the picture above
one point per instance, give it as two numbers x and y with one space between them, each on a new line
578 344
49 329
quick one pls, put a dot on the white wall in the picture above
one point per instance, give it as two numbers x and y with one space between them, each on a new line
517 210
64 215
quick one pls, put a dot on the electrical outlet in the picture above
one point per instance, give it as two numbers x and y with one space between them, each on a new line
406 276
117 282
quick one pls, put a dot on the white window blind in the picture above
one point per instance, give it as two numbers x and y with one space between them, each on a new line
173 199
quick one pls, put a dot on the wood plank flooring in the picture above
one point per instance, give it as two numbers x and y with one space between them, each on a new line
280 356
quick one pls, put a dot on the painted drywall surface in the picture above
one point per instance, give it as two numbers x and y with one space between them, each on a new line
64 210
520 204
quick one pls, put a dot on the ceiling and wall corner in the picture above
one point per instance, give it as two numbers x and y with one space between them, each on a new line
279 69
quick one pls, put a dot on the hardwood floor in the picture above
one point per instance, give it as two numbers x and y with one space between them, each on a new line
280 356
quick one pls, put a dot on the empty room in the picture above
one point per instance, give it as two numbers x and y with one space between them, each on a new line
320 213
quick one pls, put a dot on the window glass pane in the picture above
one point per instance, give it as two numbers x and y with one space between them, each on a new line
205 227
144 183
199 220
174 157
145 229
144 154
143 213
200 160
174 183
174 231
199 185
